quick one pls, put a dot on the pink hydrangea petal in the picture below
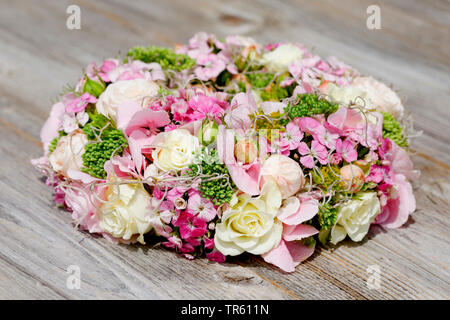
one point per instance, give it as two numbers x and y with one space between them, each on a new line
303 148
287 255
136 142
149 119
291 206
280 257
307 161
400 162
301 231
51 127
397 211
247 180
299 252
125 112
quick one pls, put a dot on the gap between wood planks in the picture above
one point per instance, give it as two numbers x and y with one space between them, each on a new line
23 134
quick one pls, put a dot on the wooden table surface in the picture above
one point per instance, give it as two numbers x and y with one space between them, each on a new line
39 55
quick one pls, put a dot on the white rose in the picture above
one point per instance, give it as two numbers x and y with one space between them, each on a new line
125 212
345 95
174 149
250 224
122 91
68 152
355 216
279 59
382 97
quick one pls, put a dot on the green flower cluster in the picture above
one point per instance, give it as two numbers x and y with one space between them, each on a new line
327 216
328 177
269 89
97 153
260 80
218 190
166 57
393 130
309 105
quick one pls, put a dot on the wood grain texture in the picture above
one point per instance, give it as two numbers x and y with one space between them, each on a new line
38 55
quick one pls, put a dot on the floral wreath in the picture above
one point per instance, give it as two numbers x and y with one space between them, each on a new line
225 146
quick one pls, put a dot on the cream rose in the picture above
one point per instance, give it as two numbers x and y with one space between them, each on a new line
122 91
250 224
125 212
376 95
355 216
345 95
286 172
381 96
68 152
279 59
174 149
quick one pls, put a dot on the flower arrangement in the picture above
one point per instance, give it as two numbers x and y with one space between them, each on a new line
224 146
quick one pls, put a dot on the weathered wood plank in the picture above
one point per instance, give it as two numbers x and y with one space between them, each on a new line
38 55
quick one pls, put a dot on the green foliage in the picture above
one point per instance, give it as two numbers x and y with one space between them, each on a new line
310 104
97 153
393 130
275 93
223 79
93 87
269 88
263 124
218 190
327 216
329 176
167 58
53 144
97 122
309 241
260 80
164 92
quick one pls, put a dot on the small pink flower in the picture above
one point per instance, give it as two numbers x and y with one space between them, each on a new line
216 256
173 242
80 103
242 106
318 151
205 107
210 66
293 136
190 225
335 158
329 139
346 150
201 207
175 193
179 110
209 243
313 127
377 174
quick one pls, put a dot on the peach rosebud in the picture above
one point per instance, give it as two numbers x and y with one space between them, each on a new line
353 178
246 151
287 174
